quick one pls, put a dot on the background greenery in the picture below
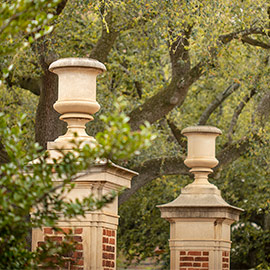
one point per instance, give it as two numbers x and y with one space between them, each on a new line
176 64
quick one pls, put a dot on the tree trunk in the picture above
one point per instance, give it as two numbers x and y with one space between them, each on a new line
48 126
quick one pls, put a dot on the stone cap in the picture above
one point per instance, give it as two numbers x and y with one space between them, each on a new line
201 129
198 200
205 203
102 171
107 172
107 165
77 62
213 212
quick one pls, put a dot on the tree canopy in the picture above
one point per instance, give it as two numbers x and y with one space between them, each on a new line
177 63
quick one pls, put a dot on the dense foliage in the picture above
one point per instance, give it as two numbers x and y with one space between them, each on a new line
27 186
22 22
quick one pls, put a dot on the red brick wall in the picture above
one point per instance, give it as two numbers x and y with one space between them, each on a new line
225 260
74 260
109 249
194 260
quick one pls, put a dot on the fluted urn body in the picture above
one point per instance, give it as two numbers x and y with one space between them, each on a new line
201 147
77 85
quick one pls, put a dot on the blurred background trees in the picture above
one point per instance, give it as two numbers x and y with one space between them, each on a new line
176 63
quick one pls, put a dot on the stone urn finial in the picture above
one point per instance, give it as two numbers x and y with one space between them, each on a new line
200 219
201 151
76 95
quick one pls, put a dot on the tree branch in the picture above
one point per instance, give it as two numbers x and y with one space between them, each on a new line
166 99
238 111
179 54
138 85
4 158
255 42
232 152
262 112
246 99
31 84
60 7
173 95
180 138
217 101
130 24
105 43
12 18
225 39
155 168
152 169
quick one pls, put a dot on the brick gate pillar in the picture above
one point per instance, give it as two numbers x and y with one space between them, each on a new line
200 219
95 234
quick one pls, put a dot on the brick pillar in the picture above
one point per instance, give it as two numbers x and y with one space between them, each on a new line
200 219
94 234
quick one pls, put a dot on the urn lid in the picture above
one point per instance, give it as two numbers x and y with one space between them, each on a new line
201 129
77 62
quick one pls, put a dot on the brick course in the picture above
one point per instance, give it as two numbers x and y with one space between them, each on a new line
225 260
75 260
108 249
194 260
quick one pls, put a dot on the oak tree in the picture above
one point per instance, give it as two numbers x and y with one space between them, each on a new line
177 63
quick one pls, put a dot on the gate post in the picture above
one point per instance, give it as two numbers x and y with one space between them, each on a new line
200 219
95 233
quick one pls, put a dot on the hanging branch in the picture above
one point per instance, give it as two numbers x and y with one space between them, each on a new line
247 98
137 84
217 101
180 138
238 111
262 111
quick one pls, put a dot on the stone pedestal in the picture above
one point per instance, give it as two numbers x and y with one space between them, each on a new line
200 219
